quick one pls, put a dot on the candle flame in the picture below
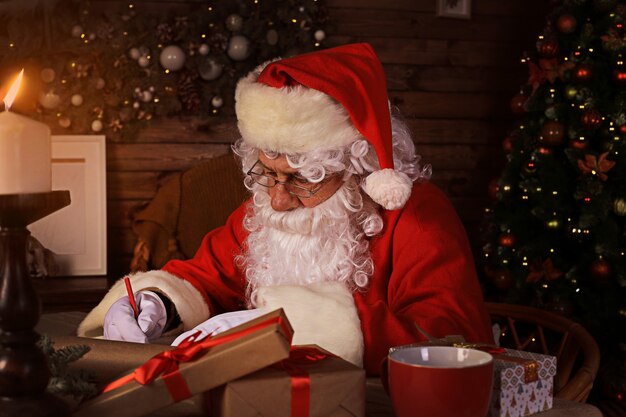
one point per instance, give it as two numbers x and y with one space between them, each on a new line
12 93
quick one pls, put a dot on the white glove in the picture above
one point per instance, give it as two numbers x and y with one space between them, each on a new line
120 322
220 323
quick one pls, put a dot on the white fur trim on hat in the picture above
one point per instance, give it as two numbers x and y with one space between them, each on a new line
290 120
323 314
389 188
189 303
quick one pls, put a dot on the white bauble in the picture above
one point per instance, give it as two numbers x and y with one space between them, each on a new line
134 53
234 22
47 75
217 102
49 100
100 83
319 35
136 105
96 125
143 61
76 100
238 48
146 96
272 37
204 49
65 122
77 30
172 58
210 69
92 36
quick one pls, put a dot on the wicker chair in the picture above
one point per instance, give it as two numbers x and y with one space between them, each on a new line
532 329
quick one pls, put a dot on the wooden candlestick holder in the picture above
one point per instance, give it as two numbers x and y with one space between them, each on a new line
24 372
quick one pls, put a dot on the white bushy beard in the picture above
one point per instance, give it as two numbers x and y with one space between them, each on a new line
325 243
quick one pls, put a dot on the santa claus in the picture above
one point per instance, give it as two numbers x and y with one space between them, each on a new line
343 230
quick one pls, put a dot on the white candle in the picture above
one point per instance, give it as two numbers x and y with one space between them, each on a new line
25 153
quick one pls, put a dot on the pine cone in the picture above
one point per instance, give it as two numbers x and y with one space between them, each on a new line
165 33
189 91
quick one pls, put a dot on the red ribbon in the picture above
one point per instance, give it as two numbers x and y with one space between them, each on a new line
166 363
300 379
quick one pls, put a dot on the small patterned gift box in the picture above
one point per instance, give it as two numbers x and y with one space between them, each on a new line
523 383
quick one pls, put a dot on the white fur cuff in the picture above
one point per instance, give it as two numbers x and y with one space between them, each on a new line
323 314
189 303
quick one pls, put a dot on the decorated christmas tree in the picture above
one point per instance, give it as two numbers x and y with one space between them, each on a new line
102 67
555 236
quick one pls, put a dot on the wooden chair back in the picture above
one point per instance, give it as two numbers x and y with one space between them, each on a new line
532 329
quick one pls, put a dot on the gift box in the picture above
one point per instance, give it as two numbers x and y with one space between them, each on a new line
176 374
523 383
109 359
311 383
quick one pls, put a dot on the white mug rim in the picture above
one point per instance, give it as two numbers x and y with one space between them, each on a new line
486 356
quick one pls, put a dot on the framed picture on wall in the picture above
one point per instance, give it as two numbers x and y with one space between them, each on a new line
77 234
460 9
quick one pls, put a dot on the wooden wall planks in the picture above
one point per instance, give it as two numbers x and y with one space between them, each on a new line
452 80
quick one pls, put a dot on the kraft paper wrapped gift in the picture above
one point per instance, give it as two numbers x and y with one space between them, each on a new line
311 383
523 383
230 355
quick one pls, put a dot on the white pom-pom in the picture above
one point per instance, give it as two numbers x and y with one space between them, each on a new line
391 189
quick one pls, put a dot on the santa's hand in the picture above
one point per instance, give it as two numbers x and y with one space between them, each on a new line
120 322
220 323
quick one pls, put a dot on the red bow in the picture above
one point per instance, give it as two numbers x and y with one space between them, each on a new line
548 69
545 269
166 363
594 166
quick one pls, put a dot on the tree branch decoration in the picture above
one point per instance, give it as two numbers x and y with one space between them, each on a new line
93 69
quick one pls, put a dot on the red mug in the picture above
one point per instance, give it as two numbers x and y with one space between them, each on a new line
438 381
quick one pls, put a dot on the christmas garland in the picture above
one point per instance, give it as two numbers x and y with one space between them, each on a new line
91 69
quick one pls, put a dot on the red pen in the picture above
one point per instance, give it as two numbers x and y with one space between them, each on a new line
131 296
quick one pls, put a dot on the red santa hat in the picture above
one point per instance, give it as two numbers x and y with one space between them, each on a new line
323 100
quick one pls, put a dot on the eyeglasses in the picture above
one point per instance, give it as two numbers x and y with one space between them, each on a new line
306 190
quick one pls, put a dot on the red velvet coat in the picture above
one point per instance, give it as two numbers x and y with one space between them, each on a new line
424 273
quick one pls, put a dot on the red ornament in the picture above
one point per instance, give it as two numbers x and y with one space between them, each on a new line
548 48
582 73
553 133
517 104
544 151
506 239
566 23
507 144
577 144
622 129
591 118
620 77
600 269
493 189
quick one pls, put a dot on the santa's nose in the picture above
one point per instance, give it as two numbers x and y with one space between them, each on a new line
281 199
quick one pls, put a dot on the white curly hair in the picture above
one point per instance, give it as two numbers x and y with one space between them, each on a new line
329 241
